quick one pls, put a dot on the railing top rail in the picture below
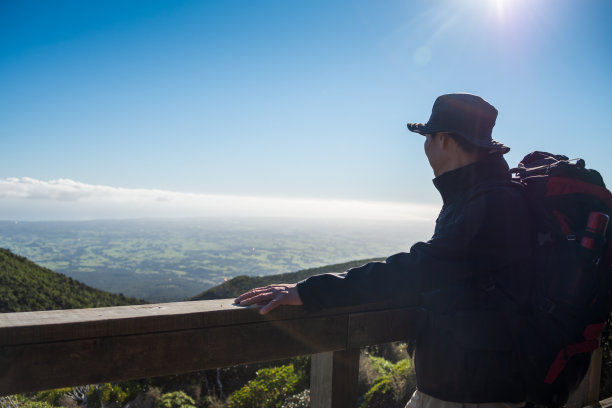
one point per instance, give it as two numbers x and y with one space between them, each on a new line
72 324
56 325
42 350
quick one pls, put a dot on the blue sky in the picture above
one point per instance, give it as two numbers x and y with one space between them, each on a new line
299 100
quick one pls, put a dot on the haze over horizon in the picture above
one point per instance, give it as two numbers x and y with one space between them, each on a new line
118 109
64 200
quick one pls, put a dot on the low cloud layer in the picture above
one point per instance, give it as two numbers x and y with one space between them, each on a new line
27 199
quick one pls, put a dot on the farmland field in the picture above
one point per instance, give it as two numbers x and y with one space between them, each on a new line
168 260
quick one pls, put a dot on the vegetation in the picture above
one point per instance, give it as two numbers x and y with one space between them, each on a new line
394 386
299 400
104 394
52 397
21 401
176 399
386 376
173 260
25 286
268 390
241 284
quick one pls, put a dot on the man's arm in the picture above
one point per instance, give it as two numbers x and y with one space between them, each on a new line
490 233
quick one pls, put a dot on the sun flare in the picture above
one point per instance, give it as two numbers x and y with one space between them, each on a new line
499 6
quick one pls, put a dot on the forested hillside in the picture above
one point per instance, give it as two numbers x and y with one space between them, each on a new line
241 284
25 286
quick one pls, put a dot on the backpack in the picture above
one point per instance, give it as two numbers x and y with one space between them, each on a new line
570 298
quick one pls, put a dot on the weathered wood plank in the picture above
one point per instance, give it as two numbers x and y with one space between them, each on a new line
333 379
321 374
345 378
42 350
57 325
32 367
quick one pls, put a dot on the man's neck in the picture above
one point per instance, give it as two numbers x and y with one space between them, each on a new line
456 162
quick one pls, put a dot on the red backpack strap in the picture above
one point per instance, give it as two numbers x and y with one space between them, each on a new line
557 185
590 343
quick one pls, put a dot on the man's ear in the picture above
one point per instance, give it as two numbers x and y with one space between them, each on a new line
445 139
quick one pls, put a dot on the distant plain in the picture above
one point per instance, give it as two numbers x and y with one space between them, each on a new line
174 259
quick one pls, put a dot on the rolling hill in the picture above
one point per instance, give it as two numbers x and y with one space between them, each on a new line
241 284
25 286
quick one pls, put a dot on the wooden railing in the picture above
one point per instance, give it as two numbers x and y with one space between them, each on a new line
51 349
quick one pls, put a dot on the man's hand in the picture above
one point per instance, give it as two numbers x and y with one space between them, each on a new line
271 297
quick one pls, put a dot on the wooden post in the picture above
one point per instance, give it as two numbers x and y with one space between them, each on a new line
333 379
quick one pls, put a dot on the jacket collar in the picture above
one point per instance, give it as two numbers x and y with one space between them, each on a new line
454 183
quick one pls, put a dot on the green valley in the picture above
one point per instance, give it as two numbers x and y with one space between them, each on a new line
170 260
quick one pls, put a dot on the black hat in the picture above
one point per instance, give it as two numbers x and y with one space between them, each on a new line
465 115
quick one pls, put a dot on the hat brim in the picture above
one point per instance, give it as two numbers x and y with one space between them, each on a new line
427 129
423 128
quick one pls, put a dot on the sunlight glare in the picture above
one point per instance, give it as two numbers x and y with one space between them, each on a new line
500 7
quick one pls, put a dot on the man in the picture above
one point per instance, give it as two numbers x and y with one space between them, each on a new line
464 275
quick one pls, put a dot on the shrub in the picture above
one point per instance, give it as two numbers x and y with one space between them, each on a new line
145 399
393 388
370 369
35 404
301 400
104 394
269 389
52 397
20 401
176 399
393 352
211 401
381 365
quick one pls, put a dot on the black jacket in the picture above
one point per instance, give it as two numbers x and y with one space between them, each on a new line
481 241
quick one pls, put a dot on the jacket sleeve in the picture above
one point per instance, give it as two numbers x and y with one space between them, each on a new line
490 232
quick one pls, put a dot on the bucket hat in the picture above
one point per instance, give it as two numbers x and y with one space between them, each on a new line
466 115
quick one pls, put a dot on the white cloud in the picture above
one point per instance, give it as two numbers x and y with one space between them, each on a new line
29 199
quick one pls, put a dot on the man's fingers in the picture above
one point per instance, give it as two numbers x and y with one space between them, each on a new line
247 295
256 292
256 298
273 304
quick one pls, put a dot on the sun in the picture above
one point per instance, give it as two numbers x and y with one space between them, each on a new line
499 6
507 8
502 9
506 16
